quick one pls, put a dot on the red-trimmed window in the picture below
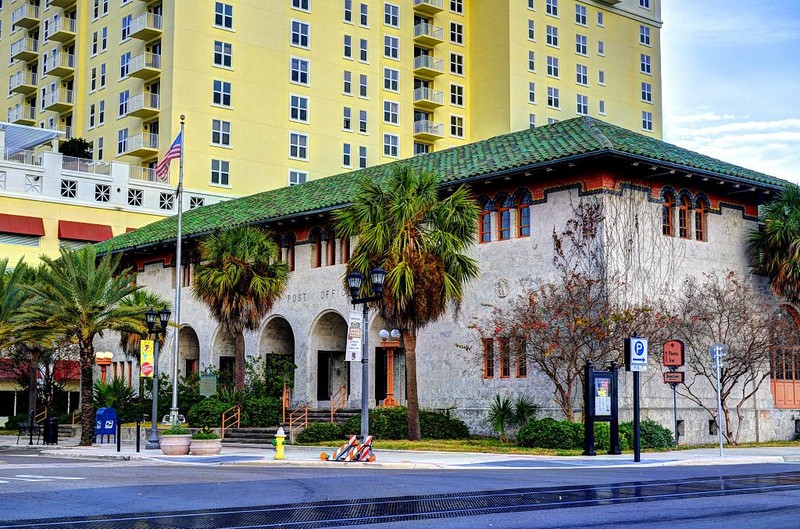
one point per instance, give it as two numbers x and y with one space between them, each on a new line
505 358
485 226
345 249
488 358
700 212
503 223
785 361
290 253
522 359
667 215
683 218
331 248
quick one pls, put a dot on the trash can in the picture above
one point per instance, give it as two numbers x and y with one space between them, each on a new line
50 433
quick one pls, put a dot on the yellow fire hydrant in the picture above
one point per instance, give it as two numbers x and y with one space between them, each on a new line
280 441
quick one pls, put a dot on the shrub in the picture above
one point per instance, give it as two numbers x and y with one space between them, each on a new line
205 433
392 423
13 422
176 429
207 412
550 433
320 431
653 435
440 426
261 411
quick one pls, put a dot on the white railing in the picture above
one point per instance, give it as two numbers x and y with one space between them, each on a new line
144 174
59 95
423 29
429 94
438 4
84 165
62 60
428 62
24 11
24 44
21 112
23 156
146 60
424 126
142 100
24 77
146 21
63 24
143 140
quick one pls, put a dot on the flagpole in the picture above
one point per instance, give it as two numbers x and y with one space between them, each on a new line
173 411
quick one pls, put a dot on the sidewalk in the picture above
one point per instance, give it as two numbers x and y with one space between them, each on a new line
308 456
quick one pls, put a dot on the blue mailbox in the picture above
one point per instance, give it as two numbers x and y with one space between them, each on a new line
105 423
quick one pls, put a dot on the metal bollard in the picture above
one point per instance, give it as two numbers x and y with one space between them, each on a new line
138 434
119 439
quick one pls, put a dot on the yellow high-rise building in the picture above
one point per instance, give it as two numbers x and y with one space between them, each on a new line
276 92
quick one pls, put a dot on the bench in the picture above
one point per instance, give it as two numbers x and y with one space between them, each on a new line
25 431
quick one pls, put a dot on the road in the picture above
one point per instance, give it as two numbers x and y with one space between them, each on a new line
67 493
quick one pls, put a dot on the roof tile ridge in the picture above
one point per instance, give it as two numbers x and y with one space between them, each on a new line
598 134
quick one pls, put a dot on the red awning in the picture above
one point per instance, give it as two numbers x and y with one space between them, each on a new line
128 230
83 231
67 370
21 225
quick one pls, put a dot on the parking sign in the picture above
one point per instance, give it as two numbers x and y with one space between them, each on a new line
636 354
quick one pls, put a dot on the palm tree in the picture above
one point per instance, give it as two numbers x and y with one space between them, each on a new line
80 297
12 296
240 276
420 239
141 300
775 247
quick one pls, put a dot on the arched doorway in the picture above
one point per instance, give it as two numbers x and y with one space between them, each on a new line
223 355
276 350
786 359
188 351
327 346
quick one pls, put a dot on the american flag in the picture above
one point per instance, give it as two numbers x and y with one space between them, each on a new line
174 152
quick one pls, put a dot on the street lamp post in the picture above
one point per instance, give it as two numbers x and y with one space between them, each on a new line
354 281
103 359
150 316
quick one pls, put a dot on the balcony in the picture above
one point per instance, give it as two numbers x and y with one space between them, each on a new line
58 100
427 66
61 65
145 65
429 7
143 105
66 129
142 144
25 49
63 3
428 130
428 34
428 98
62 30
146 26
25 16
22 82
22 115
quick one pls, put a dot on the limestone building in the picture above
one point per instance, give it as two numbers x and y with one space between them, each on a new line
526 183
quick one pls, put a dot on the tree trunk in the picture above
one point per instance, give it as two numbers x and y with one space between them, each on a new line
87 399
238 363
410 343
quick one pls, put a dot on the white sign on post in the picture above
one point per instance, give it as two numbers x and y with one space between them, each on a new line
353 352
638 354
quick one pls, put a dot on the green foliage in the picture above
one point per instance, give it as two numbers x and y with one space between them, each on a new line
205 433
76 147
392 423
175 429
266 376
525 410
119 395
261 412
207 412
13 422
320 431
549 433
653 435
501 415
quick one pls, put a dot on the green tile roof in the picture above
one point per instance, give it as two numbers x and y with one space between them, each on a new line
528 148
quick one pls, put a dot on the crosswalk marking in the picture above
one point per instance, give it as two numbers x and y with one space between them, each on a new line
35 478
46 477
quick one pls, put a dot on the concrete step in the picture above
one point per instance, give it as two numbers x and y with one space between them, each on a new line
261 436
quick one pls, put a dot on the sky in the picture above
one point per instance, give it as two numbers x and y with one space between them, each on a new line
731 80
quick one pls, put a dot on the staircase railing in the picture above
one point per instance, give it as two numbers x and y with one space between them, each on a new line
297 418
41 415
286 400
232 417
338 401
74 416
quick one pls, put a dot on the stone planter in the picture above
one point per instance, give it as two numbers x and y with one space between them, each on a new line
175 445
206 447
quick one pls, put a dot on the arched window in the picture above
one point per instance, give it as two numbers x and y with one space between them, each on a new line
523 214
667 214
700 226
330 237
786 360
683 218
485 221
504 205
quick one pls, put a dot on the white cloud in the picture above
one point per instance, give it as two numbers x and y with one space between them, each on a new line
772 147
